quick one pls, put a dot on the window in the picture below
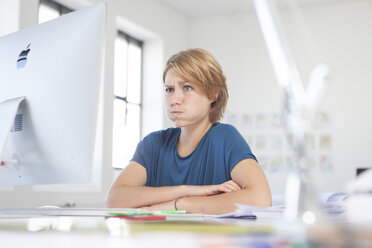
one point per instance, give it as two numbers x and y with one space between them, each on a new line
49 10
127 99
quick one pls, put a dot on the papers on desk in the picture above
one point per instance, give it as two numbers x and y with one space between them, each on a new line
236 215
246 212
332 203
275 212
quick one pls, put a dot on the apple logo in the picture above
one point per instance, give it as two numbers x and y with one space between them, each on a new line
22 58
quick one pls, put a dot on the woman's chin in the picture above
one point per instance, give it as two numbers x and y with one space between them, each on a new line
179 123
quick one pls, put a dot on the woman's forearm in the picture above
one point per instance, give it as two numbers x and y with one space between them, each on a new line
142 196
223 203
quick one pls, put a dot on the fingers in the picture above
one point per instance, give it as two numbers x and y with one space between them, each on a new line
229 186
233 185
217 189
225 187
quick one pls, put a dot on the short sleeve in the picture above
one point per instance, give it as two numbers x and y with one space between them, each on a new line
147 151
236 148
139 154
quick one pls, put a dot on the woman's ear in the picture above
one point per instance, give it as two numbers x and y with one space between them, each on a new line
216 95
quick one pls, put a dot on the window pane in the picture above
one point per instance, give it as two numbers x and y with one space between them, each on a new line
47 13
133 128
134 122
134 73
126 135
119 136
120 67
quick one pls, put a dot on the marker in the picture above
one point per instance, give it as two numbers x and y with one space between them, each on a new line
130 212
170 212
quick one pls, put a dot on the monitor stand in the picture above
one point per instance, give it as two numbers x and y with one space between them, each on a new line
8 111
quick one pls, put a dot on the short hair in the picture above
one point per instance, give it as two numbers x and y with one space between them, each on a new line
202 69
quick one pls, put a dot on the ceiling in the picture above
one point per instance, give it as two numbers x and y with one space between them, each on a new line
195 8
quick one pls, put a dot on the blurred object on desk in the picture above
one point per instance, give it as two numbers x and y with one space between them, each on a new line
359 202
359 171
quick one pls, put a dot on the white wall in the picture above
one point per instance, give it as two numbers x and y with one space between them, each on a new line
9 22
342 31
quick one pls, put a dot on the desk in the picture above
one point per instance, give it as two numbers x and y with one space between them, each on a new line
95 231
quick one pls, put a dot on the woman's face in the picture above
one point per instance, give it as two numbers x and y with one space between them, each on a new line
186 105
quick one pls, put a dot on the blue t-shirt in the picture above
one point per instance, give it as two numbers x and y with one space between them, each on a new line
211 162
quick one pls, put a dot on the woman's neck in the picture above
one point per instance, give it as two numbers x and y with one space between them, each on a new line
190 137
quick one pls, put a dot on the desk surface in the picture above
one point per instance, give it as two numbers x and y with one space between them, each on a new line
95 231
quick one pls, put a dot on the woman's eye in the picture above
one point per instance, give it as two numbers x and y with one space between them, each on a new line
187 87
168 90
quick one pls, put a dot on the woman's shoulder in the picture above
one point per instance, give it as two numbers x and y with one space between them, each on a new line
226 132
224 128
161 135
230 137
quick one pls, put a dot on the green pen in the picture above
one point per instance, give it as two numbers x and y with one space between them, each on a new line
131 212
170 212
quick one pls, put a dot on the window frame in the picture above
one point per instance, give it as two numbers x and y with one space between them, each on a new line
62 10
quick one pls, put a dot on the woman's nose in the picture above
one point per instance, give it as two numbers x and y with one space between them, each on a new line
177 97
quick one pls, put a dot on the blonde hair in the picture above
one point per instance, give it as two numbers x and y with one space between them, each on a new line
202 69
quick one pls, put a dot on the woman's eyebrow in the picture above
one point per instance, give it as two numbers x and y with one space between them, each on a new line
182 82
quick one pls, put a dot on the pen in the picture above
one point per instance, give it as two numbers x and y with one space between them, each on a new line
170 212
130 212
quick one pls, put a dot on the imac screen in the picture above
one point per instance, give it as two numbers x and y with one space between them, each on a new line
57 67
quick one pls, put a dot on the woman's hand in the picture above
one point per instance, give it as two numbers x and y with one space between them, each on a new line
161 206
225 187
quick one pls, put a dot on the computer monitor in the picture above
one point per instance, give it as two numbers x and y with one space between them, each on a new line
57 67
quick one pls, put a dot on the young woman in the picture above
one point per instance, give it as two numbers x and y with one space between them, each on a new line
201 166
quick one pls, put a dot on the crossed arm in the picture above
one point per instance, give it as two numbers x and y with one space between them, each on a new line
248 186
